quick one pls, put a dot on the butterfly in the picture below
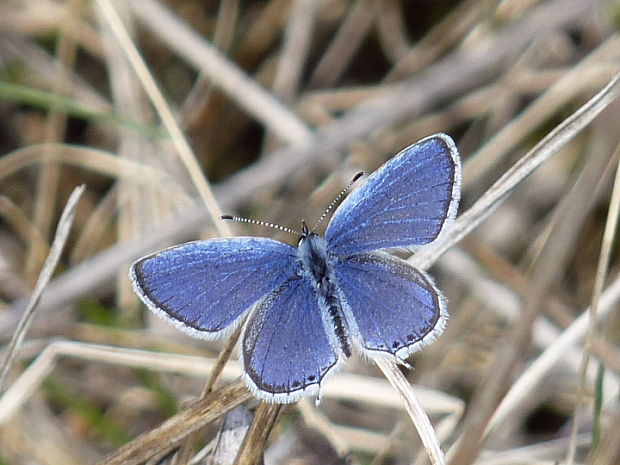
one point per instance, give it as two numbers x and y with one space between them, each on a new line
307 308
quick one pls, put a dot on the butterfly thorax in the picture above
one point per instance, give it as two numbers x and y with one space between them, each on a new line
313 255
316 261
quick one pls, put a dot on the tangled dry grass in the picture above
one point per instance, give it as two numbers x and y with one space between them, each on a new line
170 113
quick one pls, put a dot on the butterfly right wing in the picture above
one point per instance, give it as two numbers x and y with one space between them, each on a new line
204 287
408 201
392 308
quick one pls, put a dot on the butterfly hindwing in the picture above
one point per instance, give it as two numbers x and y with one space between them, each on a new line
286 351
204 287
396 309
406 202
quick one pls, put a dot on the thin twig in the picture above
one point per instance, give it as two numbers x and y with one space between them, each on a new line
547 270
345 387
178 427
265 418
222 359
345 44
60 238
48 179
449 77
540 153
159 102
221 71
414 408
571 84
599 281
535 372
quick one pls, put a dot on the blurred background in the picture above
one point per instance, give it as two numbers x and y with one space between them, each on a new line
173 112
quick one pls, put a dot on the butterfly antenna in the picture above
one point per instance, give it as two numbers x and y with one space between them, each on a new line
260 223
337 199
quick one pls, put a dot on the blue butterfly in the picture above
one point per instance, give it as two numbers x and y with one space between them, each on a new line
308 307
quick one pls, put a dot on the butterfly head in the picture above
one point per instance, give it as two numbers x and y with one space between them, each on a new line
305 232
312 252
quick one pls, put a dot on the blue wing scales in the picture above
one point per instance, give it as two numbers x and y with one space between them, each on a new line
409 201
204 287
393 307
286 351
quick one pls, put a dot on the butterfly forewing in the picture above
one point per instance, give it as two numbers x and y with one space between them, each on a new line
203 287
406 202
395 308
286 350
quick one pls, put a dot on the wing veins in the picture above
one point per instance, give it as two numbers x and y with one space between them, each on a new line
351 231
273 334
395 271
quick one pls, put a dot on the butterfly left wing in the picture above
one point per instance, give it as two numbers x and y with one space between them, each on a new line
408 201
391 307
205 287
286 349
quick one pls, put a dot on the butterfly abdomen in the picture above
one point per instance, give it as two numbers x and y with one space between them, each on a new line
315 261
334 310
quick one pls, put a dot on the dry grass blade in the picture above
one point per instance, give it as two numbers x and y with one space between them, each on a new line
344 45
175 429
346 387
281 101
49 173
588 185
540 153
534 373
23 227
202 90
316 419
601 274
60 238
547 270
31 379
184 453
451 29
292 60
207 59
86 278
297 46
550 101
450 76
414 409
178 139
98 161
608 452
265 418
447 78
231 433
547 452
